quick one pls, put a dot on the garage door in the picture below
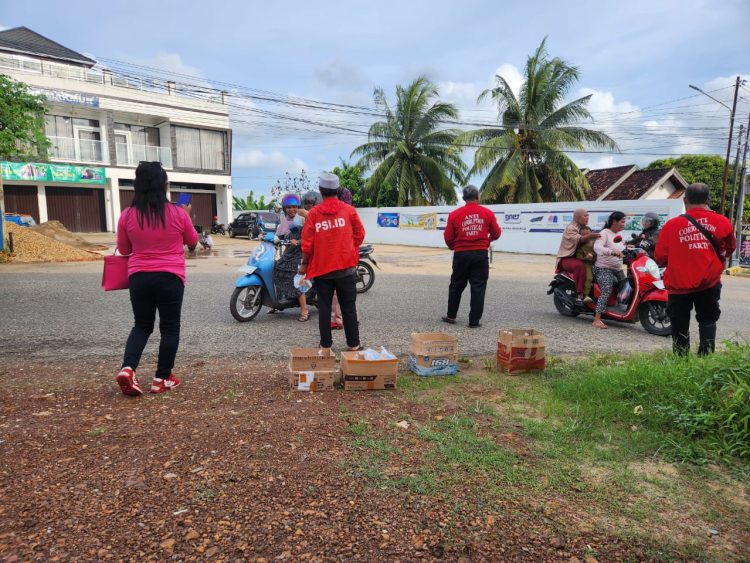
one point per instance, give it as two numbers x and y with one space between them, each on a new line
81 210
23 200
126 198
203 208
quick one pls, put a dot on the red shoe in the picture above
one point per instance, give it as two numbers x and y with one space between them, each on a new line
159 385
336 326
128 383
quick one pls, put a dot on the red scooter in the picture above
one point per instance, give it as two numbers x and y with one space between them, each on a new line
641 297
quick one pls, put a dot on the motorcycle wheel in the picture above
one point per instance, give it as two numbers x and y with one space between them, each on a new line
654 318
246 303
364 277
561 306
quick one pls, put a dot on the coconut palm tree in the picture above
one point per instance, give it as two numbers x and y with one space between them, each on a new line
525 155
409 150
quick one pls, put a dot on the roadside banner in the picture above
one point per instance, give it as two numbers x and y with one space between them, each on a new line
389 220
744 244
424 221
45 172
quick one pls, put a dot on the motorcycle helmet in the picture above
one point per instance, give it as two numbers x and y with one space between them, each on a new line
290 200
311 198
652 219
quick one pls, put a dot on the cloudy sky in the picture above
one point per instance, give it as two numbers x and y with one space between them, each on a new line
636 59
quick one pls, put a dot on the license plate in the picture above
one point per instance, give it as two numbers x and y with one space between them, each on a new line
248 269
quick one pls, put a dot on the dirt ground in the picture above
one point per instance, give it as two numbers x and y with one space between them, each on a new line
234 467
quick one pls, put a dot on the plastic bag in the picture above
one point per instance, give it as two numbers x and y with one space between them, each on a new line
302 285
623 296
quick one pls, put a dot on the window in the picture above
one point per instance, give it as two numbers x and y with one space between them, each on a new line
200 148
74 138
140 135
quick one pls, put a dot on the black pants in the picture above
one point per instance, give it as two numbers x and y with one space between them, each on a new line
473 267
346 290
149 292
707 312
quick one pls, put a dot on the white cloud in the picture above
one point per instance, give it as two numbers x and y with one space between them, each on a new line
339 74
464 94
254 158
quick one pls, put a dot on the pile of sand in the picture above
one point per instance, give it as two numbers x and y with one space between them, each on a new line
29 245
57 231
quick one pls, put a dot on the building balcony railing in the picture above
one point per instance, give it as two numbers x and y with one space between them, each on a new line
131 155
78 150
110 78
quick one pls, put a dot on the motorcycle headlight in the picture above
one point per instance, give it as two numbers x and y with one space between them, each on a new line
653 269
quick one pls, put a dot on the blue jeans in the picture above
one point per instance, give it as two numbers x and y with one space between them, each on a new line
151 292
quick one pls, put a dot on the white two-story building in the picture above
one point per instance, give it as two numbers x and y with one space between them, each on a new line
101 125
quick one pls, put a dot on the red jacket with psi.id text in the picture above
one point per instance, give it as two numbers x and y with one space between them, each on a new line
331 237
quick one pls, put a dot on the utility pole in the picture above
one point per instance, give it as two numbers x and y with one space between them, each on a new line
729 146
737 85
736 170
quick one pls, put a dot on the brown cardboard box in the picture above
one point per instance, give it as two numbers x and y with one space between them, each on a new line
433 344
313 380
359 374
520 350
311 359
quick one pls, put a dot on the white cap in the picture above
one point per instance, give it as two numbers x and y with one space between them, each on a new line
328 181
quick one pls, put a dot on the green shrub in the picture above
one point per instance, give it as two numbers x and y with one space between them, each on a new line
691 409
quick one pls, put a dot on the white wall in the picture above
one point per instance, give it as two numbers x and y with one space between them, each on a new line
662 191
532 228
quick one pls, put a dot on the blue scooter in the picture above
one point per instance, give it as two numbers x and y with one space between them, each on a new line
255 288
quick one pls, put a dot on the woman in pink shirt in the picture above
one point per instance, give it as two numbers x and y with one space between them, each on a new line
153 232
608 266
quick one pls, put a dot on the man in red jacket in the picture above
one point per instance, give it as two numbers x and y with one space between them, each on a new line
694 247
330 252
468 234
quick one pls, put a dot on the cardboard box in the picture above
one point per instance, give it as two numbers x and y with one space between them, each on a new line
433 353
426 366
433 344
520 350
311 359
359 374
313 380
368 382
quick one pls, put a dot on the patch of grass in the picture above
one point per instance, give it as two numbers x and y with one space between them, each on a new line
684 409
358 428
488 364
97 431
204 493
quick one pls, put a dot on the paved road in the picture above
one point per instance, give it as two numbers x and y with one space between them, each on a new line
51 311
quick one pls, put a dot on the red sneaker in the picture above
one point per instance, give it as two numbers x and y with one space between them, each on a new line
128 382
336 326
161 385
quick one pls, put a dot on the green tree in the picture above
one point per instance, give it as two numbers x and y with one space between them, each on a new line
21 129
705 169
409 150
21 122
250 203
525 156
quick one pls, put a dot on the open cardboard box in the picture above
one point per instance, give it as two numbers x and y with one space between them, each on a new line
359 374
313 380
520 350
433 344
311 359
